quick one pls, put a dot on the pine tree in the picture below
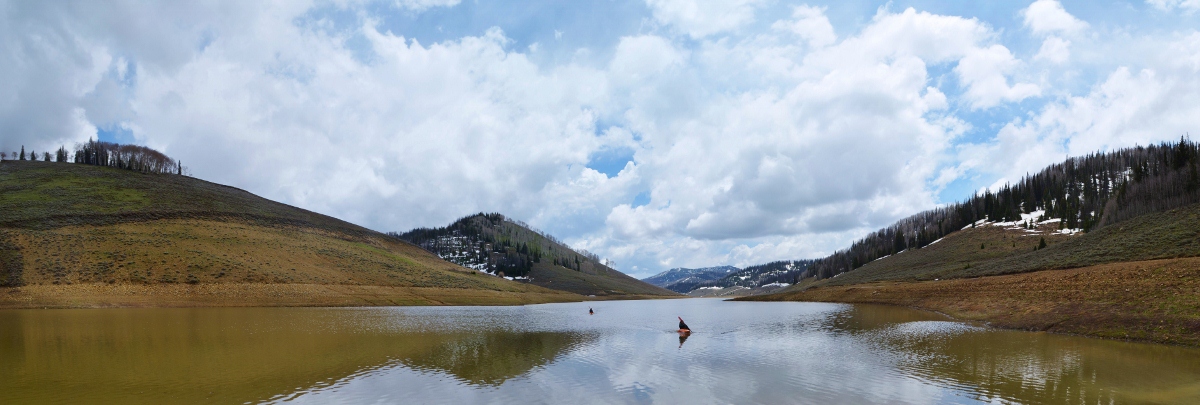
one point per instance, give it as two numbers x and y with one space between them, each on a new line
1042 244
22 152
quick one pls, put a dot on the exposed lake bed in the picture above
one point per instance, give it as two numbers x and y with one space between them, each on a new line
628 352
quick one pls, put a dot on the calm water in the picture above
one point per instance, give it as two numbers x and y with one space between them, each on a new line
627 353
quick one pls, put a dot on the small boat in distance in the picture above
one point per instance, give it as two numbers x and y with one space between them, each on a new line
683 328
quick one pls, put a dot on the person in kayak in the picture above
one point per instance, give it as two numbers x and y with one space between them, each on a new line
683 328
590 312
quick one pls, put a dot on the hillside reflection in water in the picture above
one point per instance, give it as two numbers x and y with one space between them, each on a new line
628 352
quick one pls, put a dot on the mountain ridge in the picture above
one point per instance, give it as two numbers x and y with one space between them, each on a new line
683 280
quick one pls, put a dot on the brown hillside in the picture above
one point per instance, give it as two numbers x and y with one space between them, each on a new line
73 225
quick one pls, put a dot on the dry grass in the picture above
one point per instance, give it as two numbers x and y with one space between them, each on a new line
1156 301
164 260
260 295
956 255
83 236
1161 235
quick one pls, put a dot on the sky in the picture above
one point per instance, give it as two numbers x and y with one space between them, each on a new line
654 133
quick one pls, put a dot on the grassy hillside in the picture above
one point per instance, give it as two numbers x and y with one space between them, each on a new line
44 195
1006 250
1087 192
73 227
499 245
1154 300
1138 279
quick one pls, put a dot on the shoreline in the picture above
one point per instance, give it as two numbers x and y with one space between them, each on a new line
1155 301
102 295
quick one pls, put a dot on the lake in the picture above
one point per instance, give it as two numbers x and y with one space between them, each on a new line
628 352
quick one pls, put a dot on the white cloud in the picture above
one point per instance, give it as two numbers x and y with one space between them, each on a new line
1055 50
1130 107
983 67
985 71
422 5
1049 17
641 57
811 24
756 165
701 18
1168 5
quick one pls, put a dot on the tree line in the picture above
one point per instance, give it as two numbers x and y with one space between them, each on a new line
99 153
1086 193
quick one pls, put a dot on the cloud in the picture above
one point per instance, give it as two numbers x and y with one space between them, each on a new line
702 18
422 5
641 57
983 66
811 24
985 70
1045 17
1188 6
1055 50
1130 107
849 144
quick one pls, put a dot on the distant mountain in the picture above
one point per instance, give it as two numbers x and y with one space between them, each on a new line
751 280
781 273
682 280
509 248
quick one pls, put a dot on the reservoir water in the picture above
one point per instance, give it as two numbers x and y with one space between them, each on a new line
627 353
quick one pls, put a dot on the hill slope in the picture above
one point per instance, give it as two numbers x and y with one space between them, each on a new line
499 245
1087 193
1137 279
1105 245
1005 248
80 235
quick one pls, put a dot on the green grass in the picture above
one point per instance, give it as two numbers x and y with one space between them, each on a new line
46 195
66 224
1161 235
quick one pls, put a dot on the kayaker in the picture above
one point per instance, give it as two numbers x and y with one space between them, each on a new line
591 312
683 328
